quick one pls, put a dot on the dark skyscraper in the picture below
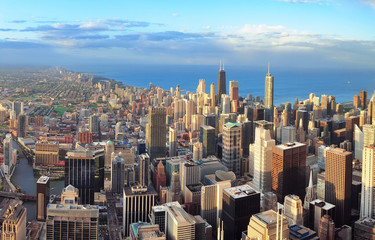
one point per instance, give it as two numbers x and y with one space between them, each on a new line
42 191
221 84
363 98
21 126
85 170
208 140
268 96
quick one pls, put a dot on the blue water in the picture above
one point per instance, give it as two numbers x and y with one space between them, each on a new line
289 83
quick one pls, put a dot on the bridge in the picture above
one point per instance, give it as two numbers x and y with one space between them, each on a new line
22 196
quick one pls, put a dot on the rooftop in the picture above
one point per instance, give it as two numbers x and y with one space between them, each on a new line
43 180
290 145
240 191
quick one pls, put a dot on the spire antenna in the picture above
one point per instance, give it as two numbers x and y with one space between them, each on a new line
268 67
220 64
223 64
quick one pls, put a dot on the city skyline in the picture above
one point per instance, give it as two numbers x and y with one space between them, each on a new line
300 33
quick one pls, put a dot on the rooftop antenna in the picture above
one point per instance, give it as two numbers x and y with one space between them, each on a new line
220 64
223 64
268 67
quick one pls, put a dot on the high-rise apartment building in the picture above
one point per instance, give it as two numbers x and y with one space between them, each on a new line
232 146
239 204
8 150
79 222
42 191
138 203
289 170
368 182
94 124
268 96
261 157
338 183
156 132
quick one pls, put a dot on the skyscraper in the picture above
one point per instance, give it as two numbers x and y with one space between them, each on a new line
212 95
233 90
138 203
17 107
172 141
221 84
368 134
293 210
156 132
144 169
289 170
21 126
363 98
338 183
118 174
239 204
84 170
8 150
42 191
368 182
208 140
268 96
180 224
160 177
261 154
109 149
232 146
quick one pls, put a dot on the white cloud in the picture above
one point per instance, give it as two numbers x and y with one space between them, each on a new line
369 2
175 14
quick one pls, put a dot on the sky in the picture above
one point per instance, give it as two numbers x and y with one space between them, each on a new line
289 33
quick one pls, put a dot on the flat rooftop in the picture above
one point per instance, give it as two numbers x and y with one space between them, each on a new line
240 191
290 145
43 180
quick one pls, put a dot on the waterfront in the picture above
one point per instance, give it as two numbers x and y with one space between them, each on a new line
23 177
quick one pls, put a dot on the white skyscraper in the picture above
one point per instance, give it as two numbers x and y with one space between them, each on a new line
261 154
225 103
368 182
288 134
369 134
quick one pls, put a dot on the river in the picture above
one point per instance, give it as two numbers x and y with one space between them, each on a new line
23 177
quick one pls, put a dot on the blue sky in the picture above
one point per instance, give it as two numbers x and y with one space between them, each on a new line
302 33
